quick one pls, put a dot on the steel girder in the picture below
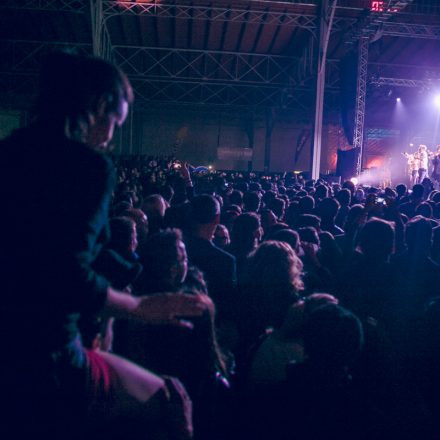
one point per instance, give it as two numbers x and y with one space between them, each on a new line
212 13
405 82
78 6
412 30
153 62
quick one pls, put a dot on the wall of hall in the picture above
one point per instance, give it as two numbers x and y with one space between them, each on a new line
219 138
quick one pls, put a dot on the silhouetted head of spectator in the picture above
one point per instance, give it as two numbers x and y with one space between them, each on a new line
254 186
401 190
436 210
204 215
123 237
376 239
268 196
306 205
288 236
236 198
120 207
344 197
221 236
235 208
291 213
389 192
321 192
349 185
164 260
268 219
228 217
333 337
306 220
242 186
275 274
82 98
418 235
141 221
251 201
328 209
277 205
417 192
436 197
246 232
309 235
424 209
353 215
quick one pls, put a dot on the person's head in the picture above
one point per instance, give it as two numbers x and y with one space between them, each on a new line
221 236
277 205
424 209
376 239
204 215
275 274
154 206
306 205
288 236
268 219
422 148
401 189
309 237
328 209
349 185
353 214
141 221
251 201
246 232
333 337
417 191
164 260
321 192
82 97
418 235
123 237
306 220
236 198
344 197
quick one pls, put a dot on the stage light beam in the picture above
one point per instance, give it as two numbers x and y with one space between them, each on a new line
398 99
437 101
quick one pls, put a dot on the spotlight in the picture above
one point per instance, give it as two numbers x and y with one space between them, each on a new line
411 145
354 180
210 167
398 99
437 100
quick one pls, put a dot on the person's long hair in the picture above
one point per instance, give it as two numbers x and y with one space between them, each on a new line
273 281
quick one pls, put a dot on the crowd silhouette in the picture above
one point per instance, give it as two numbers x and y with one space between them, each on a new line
146 298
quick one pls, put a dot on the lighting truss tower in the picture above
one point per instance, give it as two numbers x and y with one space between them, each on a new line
326 22
361 93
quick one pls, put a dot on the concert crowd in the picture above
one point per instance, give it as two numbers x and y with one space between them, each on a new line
144 298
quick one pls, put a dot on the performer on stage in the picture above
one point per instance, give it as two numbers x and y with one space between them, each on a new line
435 157
412 167
423 158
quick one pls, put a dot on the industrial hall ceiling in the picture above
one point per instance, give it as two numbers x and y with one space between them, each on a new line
236 54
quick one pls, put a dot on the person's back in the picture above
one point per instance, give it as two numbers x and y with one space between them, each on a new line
218 266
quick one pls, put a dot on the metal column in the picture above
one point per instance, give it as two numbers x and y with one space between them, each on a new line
100 37
326 21
361 93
